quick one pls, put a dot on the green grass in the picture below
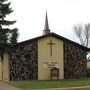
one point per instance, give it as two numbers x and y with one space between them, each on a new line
51 84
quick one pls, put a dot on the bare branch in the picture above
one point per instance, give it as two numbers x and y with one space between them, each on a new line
82 32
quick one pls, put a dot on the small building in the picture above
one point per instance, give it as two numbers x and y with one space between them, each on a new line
34 59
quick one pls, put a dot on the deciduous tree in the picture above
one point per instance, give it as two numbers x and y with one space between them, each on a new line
82 32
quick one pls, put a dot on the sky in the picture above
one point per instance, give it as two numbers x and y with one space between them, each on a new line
62 16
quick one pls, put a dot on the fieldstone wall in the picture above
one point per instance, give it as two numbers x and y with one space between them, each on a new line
23 61
75 64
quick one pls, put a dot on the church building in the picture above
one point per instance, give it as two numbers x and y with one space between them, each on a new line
46 57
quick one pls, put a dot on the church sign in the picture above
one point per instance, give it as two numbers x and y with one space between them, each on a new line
51 65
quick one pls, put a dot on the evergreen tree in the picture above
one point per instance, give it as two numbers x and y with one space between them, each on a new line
7 35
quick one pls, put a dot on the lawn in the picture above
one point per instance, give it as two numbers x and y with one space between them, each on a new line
51 84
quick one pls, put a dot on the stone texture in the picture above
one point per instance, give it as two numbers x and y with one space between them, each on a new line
23 61
75 64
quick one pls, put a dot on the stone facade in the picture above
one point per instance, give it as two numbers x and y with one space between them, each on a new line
75 64
24 61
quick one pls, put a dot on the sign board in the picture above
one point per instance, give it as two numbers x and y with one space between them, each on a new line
50 64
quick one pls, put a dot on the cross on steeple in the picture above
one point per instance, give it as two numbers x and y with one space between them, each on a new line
51 43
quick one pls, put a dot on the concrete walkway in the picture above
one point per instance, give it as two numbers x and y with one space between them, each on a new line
66 88
4 86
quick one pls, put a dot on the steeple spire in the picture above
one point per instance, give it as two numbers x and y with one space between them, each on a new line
46 27
46 23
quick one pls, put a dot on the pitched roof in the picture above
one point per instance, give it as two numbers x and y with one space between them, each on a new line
57 36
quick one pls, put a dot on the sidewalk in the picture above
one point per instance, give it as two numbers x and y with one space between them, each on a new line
66 88
4 86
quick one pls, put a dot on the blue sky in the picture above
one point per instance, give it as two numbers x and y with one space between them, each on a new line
62 15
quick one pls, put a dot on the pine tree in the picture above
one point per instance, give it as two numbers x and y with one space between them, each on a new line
7 35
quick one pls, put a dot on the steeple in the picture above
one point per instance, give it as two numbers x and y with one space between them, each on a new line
46 27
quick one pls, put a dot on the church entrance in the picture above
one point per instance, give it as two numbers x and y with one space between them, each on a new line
54 73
